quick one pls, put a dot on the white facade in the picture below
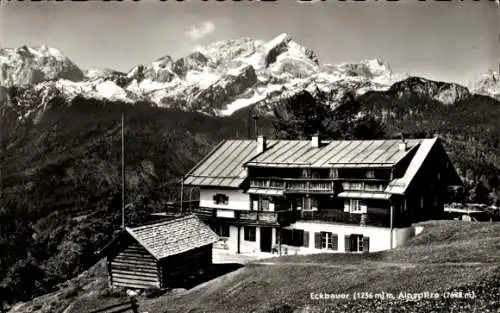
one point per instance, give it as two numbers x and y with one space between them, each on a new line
231 242
380 238
237 199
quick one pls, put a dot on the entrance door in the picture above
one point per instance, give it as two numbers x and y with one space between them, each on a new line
266 237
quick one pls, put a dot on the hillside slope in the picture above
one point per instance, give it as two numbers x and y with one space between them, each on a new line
60 182
434 261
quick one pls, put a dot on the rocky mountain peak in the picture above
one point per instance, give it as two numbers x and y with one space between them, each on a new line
487 84
194 61
28 65
447 93
222 77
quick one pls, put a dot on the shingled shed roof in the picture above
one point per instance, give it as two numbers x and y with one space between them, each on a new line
173 237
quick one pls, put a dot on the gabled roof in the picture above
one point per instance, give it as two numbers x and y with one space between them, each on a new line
340 153
173 237
400 185
223 167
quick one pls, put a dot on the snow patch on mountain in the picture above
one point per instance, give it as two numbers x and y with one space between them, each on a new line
487 85
109 90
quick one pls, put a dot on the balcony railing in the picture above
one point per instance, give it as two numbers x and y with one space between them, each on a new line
363 186
286 217
314 185
247 217
294 185
339 216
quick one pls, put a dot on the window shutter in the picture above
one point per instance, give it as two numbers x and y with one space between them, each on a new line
317 240
366 244
347 243
305 242
335 242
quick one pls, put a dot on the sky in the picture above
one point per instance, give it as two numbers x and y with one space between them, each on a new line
450 41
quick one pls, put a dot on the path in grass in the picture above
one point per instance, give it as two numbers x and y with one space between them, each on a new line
376 264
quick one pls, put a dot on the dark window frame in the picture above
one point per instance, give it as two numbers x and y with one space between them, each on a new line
250 233
220 198
293 237
221 229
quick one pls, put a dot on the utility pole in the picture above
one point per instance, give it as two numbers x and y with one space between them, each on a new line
182 192
255 118
249 123
123 175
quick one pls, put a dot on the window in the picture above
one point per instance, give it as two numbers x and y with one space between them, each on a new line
310 204
220 198
249 233
327 241
293 237
255 205
304 173
265 204
354 206
356 243
222 230
360 243
370 174
334 173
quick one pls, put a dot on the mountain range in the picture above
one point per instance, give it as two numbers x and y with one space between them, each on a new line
218 79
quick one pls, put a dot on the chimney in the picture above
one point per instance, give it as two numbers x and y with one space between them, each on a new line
403 146
261 143
315 140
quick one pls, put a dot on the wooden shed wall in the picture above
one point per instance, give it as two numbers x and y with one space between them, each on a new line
132 266
181 265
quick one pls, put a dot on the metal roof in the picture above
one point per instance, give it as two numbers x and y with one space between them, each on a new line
173 237
223 167
344 153
400 185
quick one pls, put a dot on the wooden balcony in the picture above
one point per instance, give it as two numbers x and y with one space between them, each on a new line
339 216
246 217
363 186
295 185
284 218
316 185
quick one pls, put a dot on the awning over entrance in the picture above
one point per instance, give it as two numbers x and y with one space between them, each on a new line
267 192
364 195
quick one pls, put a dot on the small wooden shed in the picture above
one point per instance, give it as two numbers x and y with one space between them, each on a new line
160 254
